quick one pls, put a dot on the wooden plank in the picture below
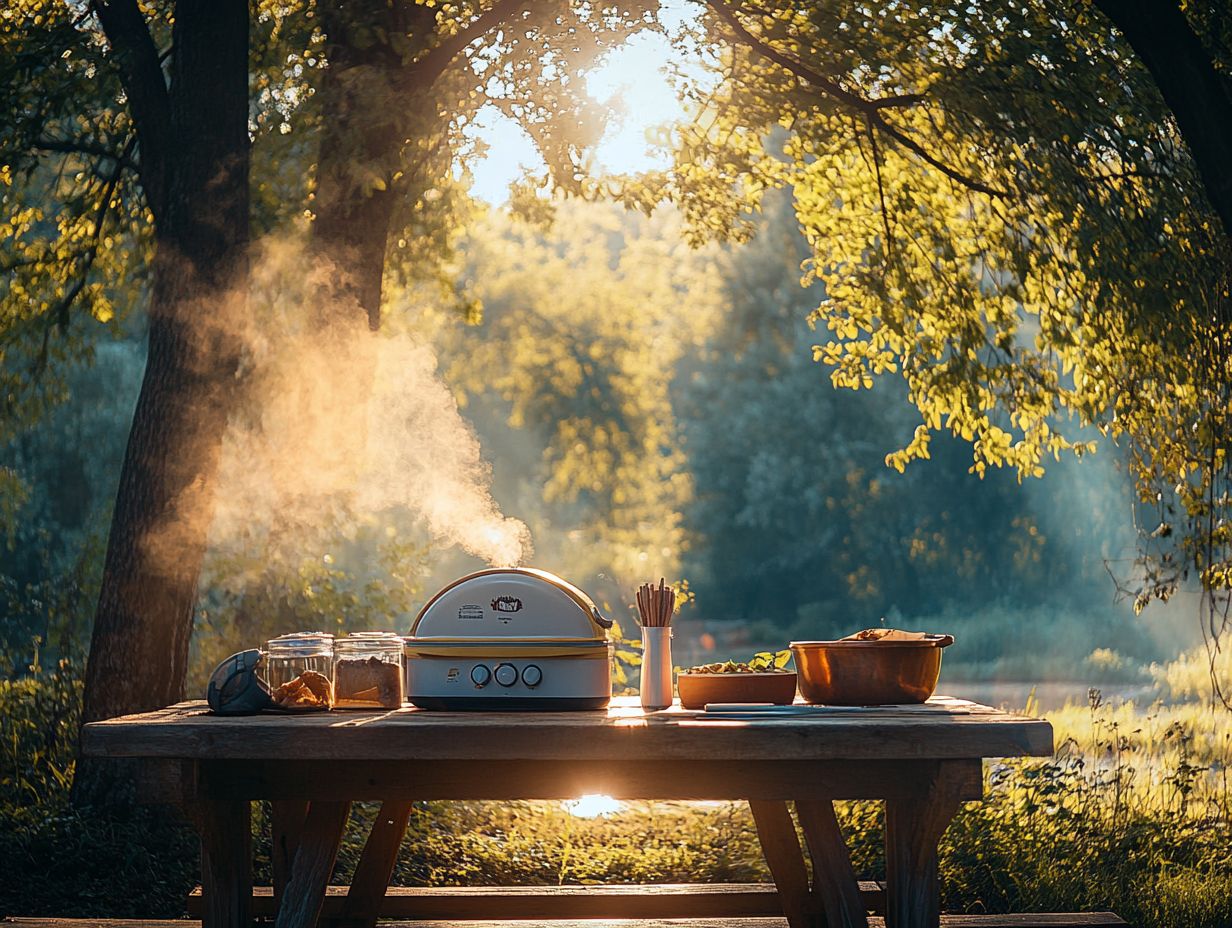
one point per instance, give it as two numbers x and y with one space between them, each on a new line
313 864
627 779
286 822
363 903
834 880
913 826
225 828
781 847
642 900
944 729
1082 920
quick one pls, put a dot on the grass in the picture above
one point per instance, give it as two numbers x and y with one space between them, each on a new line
541 843
1132 814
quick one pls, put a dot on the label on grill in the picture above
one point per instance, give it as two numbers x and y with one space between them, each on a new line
471 612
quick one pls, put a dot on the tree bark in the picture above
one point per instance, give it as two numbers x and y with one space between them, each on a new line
365 120
1189 83
197 186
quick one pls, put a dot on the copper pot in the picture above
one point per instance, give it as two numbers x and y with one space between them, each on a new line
869 673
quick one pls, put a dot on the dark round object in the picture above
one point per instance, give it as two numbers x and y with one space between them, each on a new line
506 674
480 675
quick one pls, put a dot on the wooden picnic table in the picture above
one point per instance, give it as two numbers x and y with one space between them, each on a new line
923 761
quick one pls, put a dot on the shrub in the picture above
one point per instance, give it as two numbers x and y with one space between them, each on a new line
63 861
39 716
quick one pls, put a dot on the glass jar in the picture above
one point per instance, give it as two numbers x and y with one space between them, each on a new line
298 670
368 671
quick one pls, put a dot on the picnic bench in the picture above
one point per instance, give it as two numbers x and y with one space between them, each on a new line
923 761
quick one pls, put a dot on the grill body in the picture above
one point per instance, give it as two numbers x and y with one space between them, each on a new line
510 638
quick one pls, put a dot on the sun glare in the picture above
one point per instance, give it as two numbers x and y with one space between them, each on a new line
593 805
632 79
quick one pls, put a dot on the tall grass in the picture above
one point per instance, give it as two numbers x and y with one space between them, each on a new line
1131 814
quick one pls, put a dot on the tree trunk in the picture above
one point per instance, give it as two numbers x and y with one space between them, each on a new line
378 104
364 123
1191 86
139 648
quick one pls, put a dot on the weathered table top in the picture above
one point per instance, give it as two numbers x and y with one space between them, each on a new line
943 728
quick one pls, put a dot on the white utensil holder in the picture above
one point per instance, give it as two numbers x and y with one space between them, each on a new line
656 667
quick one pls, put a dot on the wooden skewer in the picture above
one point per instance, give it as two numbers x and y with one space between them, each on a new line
655 605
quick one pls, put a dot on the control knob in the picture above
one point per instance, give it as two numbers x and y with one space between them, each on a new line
481 675
506 674
532 676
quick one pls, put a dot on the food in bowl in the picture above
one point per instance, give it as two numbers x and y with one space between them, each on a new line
762 679
878 669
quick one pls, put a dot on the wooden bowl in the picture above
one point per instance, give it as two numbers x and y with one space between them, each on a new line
697 689
869 673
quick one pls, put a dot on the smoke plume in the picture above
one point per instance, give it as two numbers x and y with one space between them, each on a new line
337 419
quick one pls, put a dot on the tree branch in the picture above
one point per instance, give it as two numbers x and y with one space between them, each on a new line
870 109
58 316
831 88
953 174
885 212
1190 85
425 71
142 76
85 147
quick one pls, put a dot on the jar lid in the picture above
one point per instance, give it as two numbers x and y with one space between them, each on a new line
301 644
369 641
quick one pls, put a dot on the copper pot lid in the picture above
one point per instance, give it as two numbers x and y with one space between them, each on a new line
928 641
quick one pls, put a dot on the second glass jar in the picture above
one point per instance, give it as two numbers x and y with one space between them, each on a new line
368 671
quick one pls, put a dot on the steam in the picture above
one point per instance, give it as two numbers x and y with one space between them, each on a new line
337 419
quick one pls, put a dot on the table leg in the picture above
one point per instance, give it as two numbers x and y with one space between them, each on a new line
834 880
312 865
286 822
363 902
225 827
779 843
914 824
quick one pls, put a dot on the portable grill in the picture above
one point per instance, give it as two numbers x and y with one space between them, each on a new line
509 638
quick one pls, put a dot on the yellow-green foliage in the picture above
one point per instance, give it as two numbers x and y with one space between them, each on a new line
1011 252
1191 726
39 715
1153 737
1132 814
